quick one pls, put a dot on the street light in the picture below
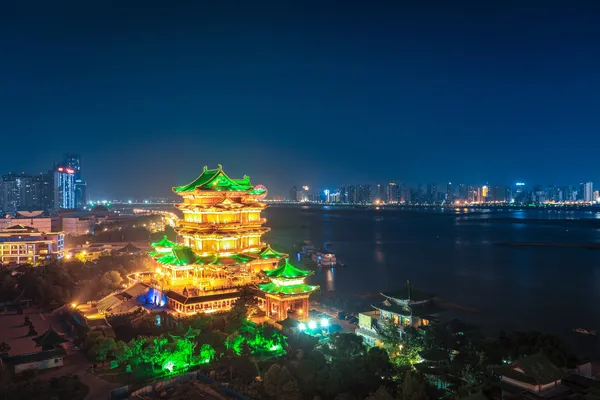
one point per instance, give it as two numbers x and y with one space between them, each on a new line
302 326
312 325
324 323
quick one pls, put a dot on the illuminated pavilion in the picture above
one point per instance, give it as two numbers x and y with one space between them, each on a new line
222 249
286 293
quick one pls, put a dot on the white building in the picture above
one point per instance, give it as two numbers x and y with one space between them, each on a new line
587 190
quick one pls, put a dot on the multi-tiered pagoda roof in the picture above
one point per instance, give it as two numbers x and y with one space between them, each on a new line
287 280
217 180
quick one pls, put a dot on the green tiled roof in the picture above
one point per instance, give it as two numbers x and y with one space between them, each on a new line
180 255
288 271
273 288
257 191
164 242
216 179
268 252
234 259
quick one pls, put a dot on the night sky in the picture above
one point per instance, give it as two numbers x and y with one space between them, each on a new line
302 92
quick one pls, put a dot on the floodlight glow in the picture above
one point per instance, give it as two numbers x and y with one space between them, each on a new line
324 323
312 325
302 326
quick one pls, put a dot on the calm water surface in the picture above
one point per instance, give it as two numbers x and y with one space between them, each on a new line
546 288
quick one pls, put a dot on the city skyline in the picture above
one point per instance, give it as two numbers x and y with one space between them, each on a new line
481 92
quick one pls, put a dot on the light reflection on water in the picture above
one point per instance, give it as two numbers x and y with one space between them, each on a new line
511 287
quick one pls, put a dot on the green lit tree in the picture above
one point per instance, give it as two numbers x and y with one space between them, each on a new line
122 352
104 349
207 353
234 343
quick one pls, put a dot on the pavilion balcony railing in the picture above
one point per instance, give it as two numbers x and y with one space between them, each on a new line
221 225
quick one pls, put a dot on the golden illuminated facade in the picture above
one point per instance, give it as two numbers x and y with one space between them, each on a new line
221 248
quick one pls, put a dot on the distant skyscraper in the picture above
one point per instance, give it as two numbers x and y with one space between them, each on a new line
392 193
45 186
431 193
352 197
463 192
379 192
18 192
73 161
587 190
497 193
405 193
64 188
294 194
80 193
450 193
364 194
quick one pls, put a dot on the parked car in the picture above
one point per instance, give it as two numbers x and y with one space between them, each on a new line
341 315
353 320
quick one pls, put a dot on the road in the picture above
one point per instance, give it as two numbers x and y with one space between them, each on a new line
332 312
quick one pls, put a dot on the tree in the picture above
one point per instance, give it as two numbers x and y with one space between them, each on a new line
104 348
377 364
279 383
380 394
4 348
111 279
344 347
207 353
122 352
414 387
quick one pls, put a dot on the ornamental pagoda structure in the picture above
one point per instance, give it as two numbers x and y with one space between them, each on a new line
221 247
286 293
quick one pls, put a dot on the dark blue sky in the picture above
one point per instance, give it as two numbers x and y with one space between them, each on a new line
297 92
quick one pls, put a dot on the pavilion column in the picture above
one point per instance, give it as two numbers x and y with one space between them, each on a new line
305 308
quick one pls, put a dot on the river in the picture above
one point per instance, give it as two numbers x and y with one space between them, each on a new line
458 256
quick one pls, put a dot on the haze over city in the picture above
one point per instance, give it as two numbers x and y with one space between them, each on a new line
149 92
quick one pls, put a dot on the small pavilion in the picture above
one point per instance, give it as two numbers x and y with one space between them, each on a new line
286 293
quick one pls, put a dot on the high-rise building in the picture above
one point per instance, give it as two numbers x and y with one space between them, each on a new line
343 194
431 193
380 192
463 192
587 191
364 194
450 193
352 198
471 194
496 193
392 193
405 193
80 193
64 188
294 194
73 161
17 192
44 183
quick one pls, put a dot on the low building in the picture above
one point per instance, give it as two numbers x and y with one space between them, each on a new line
408 307
34 219
50 356
77 226
21 244
535 373
36 361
